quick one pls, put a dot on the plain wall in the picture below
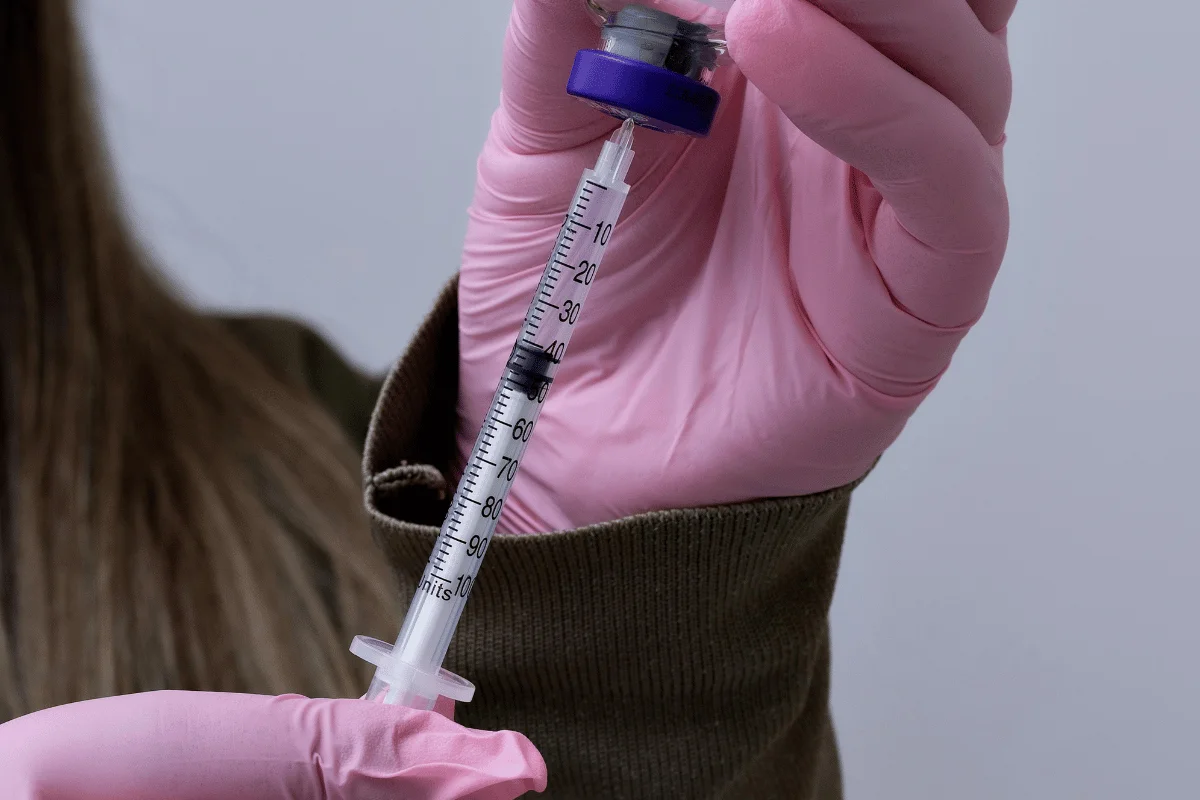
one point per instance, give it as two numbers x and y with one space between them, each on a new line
1017 613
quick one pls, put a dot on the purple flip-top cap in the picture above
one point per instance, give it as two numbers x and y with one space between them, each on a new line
653 96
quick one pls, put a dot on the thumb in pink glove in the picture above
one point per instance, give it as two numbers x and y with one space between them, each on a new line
190 745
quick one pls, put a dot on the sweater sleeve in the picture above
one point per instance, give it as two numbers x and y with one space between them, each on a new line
300 355
674 654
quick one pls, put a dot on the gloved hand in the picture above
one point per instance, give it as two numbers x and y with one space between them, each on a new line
195 746
778 298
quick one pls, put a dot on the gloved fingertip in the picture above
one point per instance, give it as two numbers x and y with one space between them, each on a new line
747 23
786 48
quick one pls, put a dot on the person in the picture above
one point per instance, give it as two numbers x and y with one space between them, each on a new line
777 301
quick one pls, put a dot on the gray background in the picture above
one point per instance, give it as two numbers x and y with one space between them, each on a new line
1017 612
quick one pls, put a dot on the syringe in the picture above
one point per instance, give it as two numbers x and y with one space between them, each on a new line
410 673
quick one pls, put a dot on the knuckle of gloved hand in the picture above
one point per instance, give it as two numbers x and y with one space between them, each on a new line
994 107
967 209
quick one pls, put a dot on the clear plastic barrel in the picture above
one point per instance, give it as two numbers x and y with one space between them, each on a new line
410 672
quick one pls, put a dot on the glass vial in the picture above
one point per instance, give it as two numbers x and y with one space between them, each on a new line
652 66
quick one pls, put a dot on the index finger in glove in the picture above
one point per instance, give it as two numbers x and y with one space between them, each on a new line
195 746
941 234
945 44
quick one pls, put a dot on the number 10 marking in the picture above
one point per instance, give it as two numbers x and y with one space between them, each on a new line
602 233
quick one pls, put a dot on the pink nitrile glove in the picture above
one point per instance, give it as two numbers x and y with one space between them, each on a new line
199 746
778 298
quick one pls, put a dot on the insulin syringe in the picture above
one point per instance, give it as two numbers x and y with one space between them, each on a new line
410 672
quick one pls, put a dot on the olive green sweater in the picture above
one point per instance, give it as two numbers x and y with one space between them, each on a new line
678 654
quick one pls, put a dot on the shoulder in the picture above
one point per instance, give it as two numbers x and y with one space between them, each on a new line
299 355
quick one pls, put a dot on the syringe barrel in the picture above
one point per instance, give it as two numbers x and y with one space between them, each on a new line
409 672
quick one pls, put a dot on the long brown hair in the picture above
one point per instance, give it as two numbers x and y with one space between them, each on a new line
172 515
